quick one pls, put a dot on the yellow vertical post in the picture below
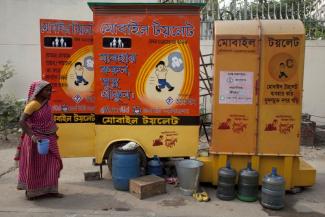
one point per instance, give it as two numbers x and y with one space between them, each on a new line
256 162
222 161
256 165
287 171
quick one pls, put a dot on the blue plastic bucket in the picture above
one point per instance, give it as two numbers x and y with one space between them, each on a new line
43 146
125 166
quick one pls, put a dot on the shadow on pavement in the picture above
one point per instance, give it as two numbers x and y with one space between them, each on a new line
83 201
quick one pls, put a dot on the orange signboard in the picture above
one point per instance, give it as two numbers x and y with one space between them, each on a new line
281 93
146 67
67 63
236 50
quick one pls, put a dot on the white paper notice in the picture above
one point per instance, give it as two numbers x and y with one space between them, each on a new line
236 87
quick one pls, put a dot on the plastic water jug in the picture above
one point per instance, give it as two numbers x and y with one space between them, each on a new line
155 166
273 191
226 183
248 184
43 146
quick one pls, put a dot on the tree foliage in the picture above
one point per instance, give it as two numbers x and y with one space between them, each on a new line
6 72
10 108
299 9
276 9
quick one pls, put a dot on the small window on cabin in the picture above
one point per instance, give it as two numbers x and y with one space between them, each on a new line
58 42
116 42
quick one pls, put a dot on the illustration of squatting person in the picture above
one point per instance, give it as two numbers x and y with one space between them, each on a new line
161 73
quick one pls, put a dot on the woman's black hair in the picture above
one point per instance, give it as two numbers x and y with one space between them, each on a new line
43 89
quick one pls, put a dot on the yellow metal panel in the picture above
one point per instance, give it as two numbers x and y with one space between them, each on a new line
76 140
256 162
288 168
297 172
222 161
305 175
281 84
236 52
164 141
206 172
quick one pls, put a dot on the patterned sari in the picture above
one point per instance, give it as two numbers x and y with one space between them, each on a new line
39 174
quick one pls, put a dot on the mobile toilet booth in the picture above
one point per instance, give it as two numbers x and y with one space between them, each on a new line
146 65
257 100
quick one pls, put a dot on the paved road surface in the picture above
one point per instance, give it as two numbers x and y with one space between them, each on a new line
98 198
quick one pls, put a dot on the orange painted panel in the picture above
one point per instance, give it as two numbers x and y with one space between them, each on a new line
147 76
281 93
67 63
147 66
234 96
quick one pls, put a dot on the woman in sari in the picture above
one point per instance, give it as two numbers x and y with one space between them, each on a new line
39 174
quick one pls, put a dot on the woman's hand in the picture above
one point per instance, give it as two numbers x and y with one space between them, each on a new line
61 164
34 138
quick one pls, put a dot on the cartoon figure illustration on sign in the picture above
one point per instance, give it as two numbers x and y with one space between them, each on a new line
282 71
164 77
79 71
225 125
65 108
77 77
114 43
285 128
136 110
175 62
283 67
171 140
61 42
271 126
239 127
161 73
56 42
120 44
167 138
89 63
159 141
